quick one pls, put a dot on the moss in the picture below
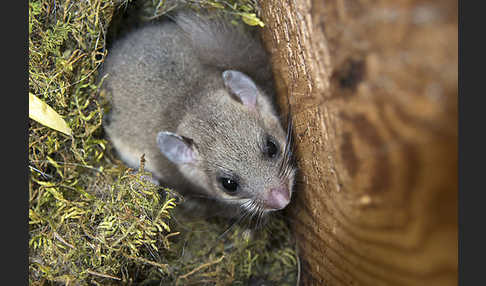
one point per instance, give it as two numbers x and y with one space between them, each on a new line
92 220
98 232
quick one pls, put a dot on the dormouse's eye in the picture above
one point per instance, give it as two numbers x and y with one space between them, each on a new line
229 185
271 148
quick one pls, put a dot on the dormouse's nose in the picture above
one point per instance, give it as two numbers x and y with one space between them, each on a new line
277 197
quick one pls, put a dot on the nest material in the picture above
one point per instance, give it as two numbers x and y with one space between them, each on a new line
92 220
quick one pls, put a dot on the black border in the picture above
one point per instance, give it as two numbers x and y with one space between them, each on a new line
15 122
471 122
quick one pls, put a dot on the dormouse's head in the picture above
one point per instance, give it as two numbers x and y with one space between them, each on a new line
235 148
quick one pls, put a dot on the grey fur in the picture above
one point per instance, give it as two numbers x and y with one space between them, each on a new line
167 77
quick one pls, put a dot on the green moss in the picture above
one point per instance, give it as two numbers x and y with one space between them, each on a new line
98 231
244 10
92 220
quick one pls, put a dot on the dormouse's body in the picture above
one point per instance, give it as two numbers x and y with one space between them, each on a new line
193 96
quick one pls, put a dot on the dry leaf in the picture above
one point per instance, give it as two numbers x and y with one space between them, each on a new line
251 19
45 115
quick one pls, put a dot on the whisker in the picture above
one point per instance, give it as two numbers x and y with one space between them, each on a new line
286 166
232 226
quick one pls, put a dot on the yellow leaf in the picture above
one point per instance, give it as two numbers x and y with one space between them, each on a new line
45 115
251 19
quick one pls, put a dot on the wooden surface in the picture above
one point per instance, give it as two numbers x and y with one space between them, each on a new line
373 91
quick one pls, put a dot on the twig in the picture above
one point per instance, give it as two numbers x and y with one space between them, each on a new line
141 259
199 268
101 274
58 237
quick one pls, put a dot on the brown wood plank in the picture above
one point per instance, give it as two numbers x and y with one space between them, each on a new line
373 91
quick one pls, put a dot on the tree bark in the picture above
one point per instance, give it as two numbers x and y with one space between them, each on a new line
372 87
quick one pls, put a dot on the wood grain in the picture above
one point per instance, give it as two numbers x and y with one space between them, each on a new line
373 90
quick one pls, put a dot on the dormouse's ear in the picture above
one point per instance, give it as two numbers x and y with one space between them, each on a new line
177 149
241 86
